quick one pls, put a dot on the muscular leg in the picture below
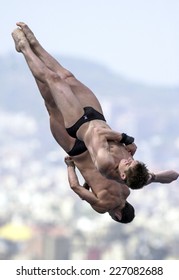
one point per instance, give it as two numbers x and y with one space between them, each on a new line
62 94
83 93
57 125
58 130
56 119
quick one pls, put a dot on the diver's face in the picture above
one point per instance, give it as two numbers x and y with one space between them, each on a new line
116 213
124 166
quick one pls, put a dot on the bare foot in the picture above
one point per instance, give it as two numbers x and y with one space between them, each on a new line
28 33
19 39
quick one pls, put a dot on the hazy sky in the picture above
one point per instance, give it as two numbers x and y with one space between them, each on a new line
136 38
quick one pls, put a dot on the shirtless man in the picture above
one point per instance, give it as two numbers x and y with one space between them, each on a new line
106 195
82 114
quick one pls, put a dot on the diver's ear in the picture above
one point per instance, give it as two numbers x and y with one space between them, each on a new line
123 176
118 215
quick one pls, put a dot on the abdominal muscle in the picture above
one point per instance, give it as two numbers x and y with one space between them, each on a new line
118 150
87 133
87 130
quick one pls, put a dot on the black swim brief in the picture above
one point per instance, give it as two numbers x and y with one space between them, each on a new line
89 115
78 148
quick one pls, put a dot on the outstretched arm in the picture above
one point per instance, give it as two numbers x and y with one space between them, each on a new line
75 185
163 177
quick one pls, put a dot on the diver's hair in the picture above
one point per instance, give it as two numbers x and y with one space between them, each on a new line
128 214
137 176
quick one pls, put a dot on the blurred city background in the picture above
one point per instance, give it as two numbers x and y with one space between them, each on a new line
127 53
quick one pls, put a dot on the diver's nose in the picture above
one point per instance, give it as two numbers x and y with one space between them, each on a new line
129 159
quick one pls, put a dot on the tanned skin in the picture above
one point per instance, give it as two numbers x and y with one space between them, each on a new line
103 194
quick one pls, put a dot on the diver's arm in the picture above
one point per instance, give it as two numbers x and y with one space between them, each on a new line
163 177
75 185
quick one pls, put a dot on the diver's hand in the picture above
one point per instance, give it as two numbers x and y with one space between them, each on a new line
69 161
